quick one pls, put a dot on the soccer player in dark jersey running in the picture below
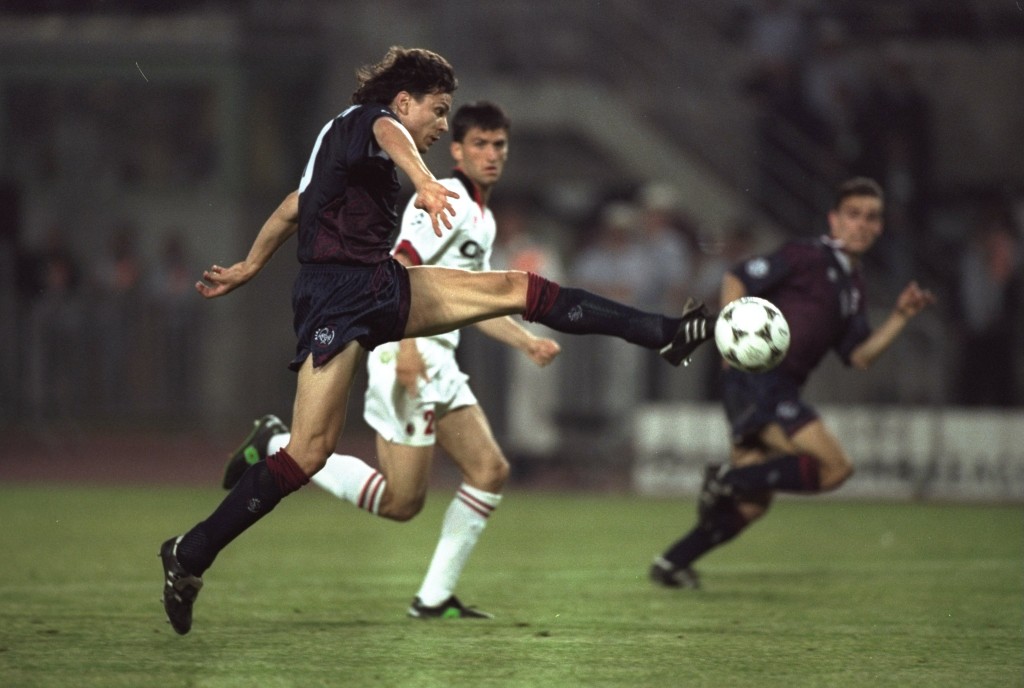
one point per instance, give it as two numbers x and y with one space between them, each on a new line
351 295
779 443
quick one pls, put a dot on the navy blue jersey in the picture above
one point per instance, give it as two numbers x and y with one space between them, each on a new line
822 299
347 196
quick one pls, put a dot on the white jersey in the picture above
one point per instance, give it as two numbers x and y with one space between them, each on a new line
468 245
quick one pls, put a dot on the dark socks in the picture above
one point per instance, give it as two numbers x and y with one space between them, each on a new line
720 527
577 311
256 494
790 473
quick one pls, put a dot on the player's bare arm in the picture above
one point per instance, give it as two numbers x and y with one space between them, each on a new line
732 289
431 195
911 301
540 350
278 228
410 367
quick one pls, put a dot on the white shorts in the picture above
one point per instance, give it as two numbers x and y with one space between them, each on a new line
412 421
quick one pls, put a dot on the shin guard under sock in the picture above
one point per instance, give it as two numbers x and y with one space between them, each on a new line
256 494
577 311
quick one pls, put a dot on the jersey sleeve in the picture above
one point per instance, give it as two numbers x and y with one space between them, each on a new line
416 238
760 273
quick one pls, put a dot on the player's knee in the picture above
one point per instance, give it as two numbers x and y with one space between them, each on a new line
490 475
835 473
401 509
310 460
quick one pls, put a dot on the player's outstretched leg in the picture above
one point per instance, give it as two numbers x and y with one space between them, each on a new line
577 311
697 327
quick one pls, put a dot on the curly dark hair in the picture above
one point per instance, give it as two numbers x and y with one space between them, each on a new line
415 70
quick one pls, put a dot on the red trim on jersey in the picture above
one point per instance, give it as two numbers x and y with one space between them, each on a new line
409 251
478 194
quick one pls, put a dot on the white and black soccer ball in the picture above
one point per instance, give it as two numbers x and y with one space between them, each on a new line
752 334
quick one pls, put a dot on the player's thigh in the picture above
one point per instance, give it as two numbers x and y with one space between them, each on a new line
466 435
444 299
817 440
321 400
407 470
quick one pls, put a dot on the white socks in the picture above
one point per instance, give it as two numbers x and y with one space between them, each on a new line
463 522
345 477
352 480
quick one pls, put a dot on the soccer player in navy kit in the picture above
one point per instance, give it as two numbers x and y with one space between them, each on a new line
351 295
779 443
417 397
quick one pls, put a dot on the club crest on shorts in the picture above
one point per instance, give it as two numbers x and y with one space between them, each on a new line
323 337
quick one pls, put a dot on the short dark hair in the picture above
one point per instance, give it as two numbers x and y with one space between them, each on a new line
481 114
415 70
857 186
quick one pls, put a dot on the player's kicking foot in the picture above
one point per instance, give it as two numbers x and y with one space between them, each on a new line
697 327
252 449
665 573
180 588
449 609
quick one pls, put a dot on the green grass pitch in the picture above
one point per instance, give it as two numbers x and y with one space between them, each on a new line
822 593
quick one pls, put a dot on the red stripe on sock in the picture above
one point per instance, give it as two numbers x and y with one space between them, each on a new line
370 489
540 296
287 474
475 504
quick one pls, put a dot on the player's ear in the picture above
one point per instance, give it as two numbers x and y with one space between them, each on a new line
401 102
455 148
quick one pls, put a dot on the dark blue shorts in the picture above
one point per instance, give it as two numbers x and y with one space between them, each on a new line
336 304
754 400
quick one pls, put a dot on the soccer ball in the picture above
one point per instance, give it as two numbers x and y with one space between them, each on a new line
752 334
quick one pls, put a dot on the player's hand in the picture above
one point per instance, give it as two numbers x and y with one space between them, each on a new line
913 299
410 367
432 198
218 281
542 351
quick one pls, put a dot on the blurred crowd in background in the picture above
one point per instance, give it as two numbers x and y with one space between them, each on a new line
102 322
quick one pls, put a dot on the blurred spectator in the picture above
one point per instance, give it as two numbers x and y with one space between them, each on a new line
895 131
668 239
117 284
54 356
603 379
615 265
776 35
832 86
989 294
174 319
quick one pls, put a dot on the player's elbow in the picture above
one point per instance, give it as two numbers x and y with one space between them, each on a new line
858 361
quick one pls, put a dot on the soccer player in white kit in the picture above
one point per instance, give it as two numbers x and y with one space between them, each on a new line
417 396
